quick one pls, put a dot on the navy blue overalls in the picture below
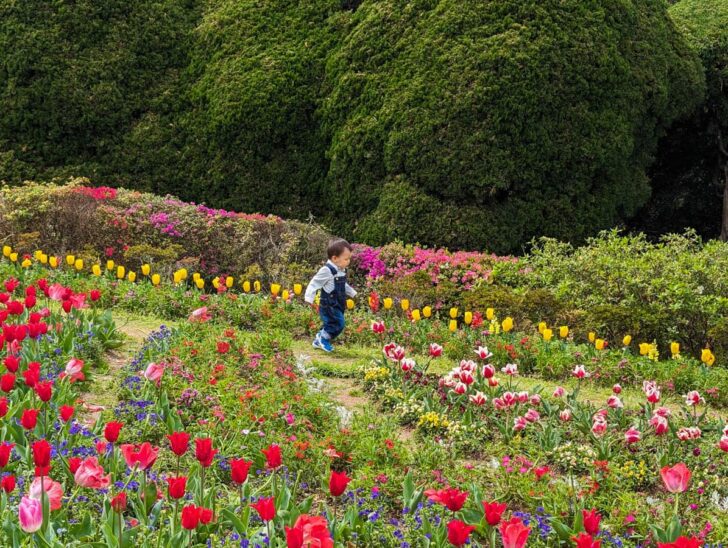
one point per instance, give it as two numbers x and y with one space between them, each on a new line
332 305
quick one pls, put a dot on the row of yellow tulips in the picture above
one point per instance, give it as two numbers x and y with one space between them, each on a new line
645 349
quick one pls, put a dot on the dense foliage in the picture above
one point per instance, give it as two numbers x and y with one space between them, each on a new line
505 119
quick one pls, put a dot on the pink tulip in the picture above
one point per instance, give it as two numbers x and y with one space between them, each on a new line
510 369
514 533
467 377
483 352
478 398
559 392
614 402
154 372
199 315
488 371
676 478
520 424
90 474
461 388
53 491
435 350
723 444
74 370
532 415
580 372
407 364
660 424
565 415
617 389
632 435
693 398
599 427
30 515
535 400
378 327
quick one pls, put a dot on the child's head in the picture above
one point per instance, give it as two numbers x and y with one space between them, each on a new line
339 252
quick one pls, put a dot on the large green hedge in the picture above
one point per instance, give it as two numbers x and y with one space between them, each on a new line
469 124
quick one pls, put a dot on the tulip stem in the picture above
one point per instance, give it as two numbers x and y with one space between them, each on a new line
121 529
202 487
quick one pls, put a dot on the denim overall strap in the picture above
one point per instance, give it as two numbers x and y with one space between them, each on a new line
337 298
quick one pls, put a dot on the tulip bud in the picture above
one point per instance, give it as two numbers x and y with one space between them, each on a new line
427 311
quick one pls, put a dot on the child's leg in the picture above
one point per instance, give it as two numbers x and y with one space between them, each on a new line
338 323
329 330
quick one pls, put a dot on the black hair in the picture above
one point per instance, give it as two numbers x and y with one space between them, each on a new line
336 247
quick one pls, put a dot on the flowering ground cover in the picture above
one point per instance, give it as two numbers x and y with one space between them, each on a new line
223 429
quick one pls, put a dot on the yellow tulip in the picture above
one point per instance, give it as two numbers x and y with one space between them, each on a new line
13 256
96 270
507 324
36 254
547 334
120 272
26 263
70 259
592 336
468 317
542 327
146 269
564 331
453 313
131 276
246 286
216 282
53 261
256 286
297 289
156 279
644 349
416 315
177 277
110 265
388 303
78 264
43 259
675 348
490 313
285 294
427 311
599 344
453 326
229 282
183 273
7 250
404 303
349 304
275 289
707 357
627 340
200 283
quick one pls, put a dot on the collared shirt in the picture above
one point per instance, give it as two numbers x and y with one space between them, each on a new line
324 279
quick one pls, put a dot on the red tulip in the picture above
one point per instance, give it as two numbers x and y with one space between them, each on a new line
8 484
143 455
681 542
458 532
179 442
223 347
190 517
11 363
591 521
44 390
449 497
66 412
15 308
29 419
118 503
294 537
266 508
74 463
586 541
177 487
7 382
41 453
11 284
204 451
32 376
3 406
514 533
111 431
5 450
95 294
493 512
30 301
239 470
676 479
309 531
206 515
338 482
272 456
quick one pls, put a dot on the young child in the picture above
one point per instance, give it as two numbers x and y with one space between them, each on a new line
331 280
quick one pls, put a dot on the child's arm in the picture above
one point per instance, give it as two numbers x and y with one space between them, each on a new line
316 283
350 291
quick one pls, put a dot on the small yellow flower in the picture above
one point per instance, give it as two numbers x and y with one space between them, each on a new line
404 303
96 270
599 344
675 349
7 250
564 331
53 261
547 334
14 256
26 263
200 283
350 303
110 265
146 269
70 259
275 289
43 258
627 340
592 336
644 348
36 254
388 303
453 326
78 264
507 324
229 282
156 279
297 289
285 294
490 313
416 315
131 276
246 286
707 357
216 282
468 318
542 327
120 272
256 286
195 276
453 313
427 311
177 277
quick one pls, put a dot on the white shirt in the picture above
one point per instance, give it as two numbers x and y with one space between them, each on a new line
324 279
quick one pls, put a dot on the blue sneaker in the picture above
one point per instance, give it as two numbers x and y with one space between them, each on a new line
323 344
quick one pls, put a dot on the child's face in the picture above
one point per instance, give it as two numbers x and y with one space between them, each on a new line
343 260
